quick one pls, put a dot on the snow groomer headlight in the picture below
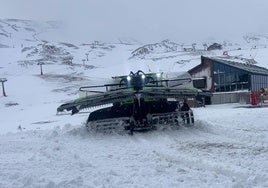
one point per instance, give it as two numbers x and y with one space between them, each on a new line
143 76
128 78
158 75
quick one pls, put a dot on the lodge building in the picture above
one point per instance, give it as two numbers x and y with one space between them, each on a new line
230 79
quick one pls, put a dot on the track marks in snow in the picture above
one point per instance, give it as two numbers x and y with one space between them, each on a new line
185 156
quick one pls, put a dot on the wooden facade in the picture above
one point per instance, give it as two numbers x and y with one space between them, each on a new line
205 71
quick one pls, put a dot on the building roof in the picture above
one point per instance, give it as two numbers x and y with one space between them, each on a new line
241 63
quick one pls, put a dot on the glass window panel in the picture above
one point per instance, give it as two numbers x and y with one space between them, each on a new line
216 67
222 79
216 79
239 86
228 87
227 69
233 87
232 78
222 88
221 68
228 78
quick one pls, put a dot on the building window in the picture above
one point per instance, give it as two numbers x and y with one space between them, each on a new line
199 83
227 78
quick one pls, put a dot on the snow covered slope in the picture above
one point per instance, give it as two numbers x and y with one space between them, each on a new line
227 147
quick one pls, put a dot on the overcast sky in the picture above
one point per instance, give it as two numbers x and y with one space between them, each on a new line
147 20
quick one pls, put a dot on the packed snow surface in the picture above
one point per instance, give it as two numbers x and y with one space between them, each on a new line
227 146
